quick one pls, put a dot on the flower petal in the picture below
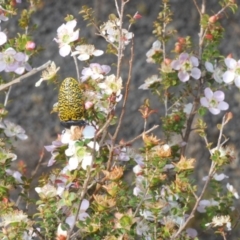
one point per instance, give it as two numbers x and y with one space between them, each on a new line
208 93
209 67
196 73
219 96
228 76
183 76
223 106
230 63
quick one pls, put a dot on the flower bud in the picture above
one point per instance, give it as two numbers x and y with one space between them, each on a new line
182 40
30 45
88 104
178 48
209 36
137 16
213 18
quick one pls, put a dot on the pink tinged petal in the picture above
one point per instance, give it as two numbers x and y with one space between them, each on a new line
98 53
201 209
70 220
20 57
176 64
209 67
183 57
2 66
52 159
194 61
18 176
228 76
65 50
191 232
87 71
83 57
208 93
219 96
83 216
204 102
237 81
20 70
220 177
196 73
183 76
84 205
106 69
214 111
3 38
223 106
27 66
230 63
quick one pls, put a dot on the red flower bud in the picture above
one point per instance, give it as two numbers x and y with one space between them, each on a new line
209 36
182 40
137 16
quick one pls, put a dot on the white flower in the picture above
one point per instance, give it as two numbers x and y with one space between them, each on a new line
86 51
220 221
214 101
217 72
3 17
111 85
186 66
48 74
206 203
47 191
17 175
61 233
142 227
233 72
82 213
111 30
232 190
156 49
95 71
149 81
11 130
66 35
140 186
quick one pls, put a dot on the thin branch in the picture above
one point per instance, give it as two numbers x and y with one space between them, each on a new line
77 69
126 93
211 171
197 7
19 79
139 136
7 96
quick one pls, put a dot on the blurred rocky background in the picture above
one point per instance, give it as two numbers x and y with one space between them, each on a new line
30 107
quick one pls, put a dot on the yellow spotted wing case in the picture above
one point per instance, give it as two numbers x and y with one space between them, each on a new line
71 103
